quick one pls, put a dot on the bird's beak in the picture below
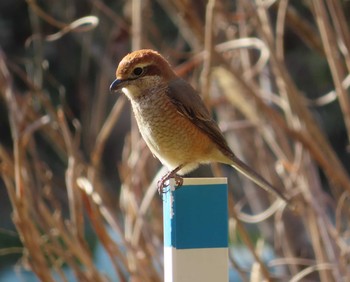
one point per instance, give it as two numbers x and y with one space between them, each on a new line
116 84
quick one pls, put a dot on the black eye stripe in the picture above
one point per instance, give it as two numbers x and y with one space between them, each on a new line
146 70
137 71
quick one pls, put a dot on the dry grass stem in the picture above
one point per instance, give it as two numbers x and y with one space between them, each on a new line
79 178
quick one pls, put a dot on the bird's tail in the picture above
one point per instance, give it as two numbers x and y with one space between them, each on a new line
256 178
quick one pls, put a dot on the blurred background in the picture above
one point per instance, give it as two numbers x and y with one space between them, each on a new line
78 199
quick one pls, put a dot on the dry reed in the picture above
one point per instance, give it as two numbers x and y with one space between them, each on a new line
239 51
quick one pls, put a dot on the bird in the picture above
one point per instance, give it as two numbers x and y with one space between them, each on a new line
173 119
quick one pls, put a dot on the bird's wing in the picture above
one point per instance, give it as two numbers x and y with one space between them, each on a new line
190 104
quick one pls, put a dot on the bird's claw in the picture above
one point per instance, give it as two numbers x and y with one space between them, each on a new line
178 180
161 185
163 182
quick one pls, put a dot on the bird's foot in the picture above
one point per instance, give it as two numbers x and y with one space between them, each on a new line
163 182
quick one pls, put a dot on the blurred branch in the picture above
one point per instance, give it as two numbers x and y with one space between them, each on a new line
45 16
208 50
136 39
105 131
303 29
61 169
334 59
326 156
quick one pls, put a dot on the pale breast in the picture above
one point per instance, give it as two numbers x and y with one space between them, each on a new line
171 137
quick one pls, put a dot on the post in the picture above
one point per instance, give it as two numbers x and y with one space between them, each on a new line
195 218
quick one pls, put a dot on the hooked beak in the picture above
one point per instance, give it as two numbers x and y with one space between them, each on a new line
116 84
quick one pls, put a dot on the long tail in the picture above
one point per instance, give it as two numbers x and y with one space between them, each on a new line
256 178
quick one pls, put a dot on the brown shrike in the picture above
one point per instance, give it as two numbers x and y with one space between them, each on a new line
173 119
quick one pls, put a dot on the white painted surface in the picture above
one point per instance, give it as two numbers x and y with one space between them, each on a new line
196 265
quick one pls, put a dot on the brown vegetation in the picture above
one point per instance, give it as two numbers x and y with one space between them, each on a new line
58 169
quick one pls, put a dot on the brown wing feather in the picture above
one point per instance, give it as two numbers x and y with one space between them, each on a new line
190 104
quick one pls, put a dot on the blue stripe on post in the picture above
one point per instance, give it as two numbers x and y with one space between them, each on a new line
196 216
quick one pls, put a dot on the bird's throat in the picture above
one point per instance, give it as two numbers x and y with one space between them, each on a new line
131 91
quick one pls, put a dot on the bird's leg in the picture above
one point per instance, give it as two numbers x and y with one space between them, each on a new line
171 174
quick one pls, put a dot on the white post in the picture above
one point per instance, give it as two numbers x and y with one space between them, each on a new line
195 219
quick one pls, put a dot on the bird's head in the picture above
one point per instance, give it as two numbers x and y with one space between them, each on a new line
140 71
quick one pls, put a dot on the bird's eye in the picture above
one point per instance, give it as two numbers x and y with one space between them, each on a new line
137 71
